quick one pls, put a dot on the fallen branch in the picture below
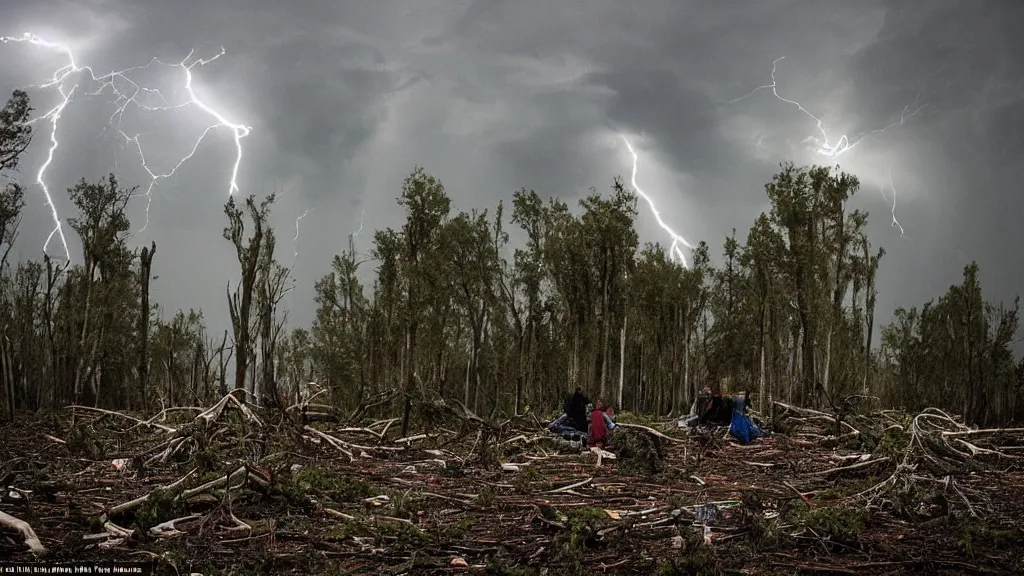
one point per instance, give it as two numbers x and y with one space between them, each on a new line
125 416
984 431
168 528
22 527
336 443
226 479
571 486
851 467
651 431
800 494
133 504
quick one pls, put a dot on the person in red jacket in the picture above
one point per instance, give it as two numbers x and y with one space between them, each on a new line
598 428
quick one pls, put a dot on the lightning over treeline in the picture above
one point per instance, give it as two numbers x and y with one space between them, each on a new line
823 144
73 80
675 251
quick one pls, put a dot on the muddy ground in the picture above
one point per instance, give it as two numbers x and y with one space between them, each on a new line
885 494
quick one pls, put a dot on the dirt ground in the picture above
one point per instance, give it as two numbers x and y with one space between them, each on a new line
890 494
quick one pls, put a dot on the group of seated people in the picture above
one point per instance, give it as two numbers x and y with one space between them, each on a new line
575 424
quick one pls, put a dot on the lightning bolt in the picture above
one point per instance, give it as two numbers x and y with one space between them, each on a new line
675 252
295 240
127 93
822 145
362 213
54 117
895 222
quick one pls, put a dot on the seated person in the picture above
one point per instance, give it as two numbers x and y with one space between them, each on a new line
563 426
609 418
576 410
599 426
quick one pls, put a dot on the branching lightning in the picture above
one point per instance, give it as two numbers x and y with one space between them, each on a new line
127 93
675 251
822 144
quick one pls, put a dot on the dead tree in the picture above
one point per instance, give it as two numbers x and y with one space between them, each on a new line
240 303
273 281
145 273
222 365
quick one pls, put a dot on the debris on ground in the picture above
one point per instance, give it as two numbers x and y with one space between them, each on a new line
233 488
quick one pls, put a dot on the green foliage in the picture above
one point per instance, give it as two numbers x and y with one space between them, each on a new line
161 505
635 418
893 443
581 530
405 505
499 567
487 497
451 531
15 131
697 559
837 523
323 482
960 338
525 478
787 312
399 535
1001 538
637 452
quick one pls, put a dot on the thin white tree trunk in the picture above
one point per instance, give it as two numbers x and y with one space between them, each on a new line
622 363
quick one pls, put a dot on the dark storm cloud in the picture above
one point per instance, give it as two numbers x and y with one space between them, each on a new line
964 150
346 97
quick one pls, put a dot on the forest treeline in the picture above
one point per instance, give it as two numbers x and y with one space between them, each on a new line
454 311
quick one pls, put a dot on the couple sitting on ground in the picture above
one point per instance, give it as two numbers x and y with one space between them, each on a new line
573 422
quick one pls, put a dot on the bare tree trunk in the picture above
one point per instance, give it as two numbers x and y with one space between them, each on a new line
477 376
410 381
197 361
839 291
82 355
170 371
760 363
222 367
8 376
686 353
622 362
607 325
145 273
869 304
794 365
574 366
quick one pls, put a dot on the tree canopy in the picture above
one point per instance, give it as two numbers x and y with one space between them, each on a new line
453 311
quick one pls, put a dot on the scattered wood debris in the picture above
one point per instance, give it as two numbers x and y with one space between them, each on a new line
235 487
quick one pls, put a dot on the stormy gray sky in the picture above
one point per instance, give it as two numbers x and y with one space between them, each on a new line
345 98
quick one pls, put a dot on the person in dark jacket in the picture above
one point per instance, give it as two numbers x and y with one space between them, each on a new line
576 409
